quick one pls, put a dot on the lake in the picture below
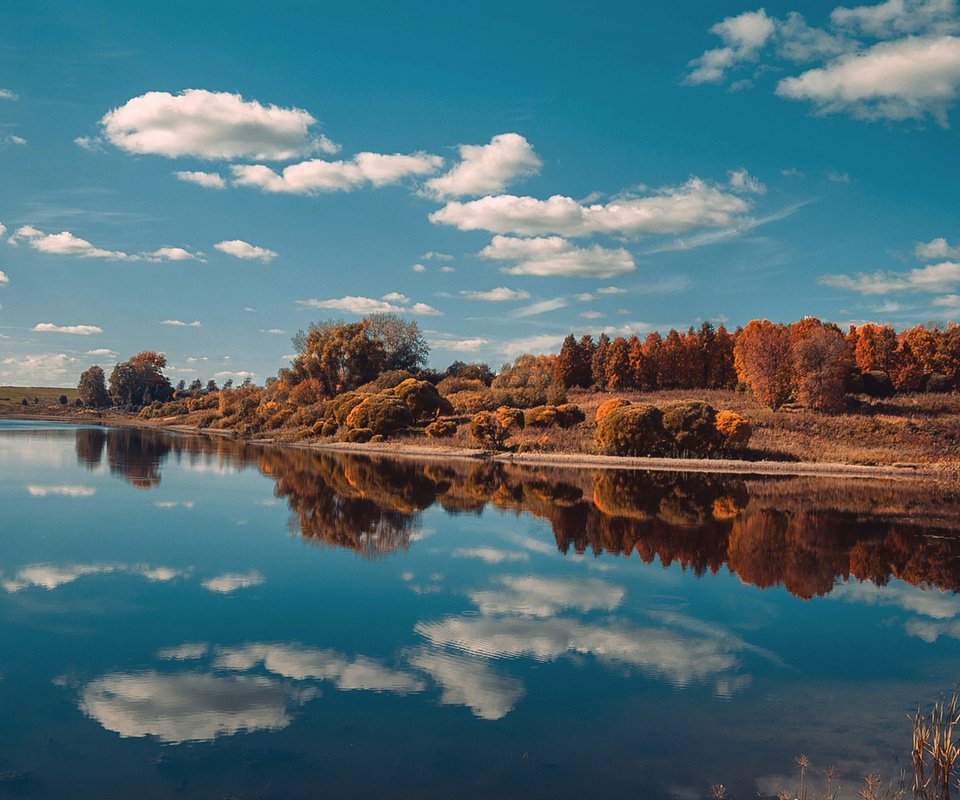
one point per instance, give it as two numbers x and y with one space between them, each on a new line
185 616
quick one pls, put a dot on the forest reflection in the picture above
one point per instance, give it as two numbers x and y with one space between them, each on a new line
801 533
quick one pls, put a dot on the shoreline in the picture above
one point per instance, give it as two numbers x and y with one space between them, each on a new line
569 460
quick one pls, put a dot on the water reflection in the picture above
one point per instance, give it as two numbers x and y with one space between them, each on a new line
800 533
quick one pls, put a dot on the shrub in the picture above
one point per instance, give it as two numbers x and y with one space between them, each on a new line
23 401
610 405
510 417
78 403
488 430
636 430
376 438
691 423
381 413
556 394
422 399
569 415
306 392
340 407
877 384
358 435
734 430
541 416
387 380
455 384
937 383
62 400
441 429
207 419
329 428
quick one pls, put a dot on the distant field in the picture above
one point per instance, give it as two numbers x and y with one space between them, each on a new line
14 394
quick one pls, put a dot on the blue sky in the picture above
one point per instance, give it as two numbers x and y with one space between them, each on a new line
205 179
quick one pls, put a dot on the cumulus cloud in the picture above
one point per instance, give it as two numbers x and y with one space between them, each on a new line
101 351
240 375
490 555
361 306
498 295
66 243
418 268
241 249
550 256
933 278
934 249
53 369
742 181
301 663
488 168
895 17
176 323
77 330
452 344
4 278
902 79
6 94
53 576
535 596
317 175
798 41
233 581
208 180
189 707
470 682
212 125
184 652
541 343
676 209
743 37
64 491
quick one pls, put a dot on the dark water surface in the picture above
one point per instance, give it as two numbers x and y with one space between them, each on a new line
191 617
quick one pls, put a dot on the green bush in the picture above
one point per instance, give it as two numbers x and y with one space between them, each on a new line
441 429
488 431
636 430
692 425
381 413
422 399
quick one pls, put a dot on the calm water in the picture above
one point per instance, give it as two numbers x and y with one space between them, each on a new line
183 617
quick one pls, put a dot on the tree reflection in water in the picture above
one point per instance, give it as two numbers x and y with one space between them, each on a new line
801 533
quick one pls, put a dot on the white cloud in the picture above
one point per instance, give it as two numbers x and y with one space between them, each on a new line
176 323
63 491
233 581
543 307
471 683
184 652
418 268
78 330
535 596
591 314
447 268
239 375
934 249
934 278
318 175
490 555
171 254
743 36
742 181
929 602
92 143
188 707
362 306
498 295
13 139
542 343
6 94
66 243
549 256
214 125
301 663
798 41
459 345
51 576
433 255
273 331
241 249
101 351
208 180
395 297
165 504
44 369
902 79
611 290
488 168
676 209
895 17
4 278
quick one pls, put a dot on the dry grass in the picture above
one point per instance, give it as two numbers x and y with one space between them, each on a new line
40 400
